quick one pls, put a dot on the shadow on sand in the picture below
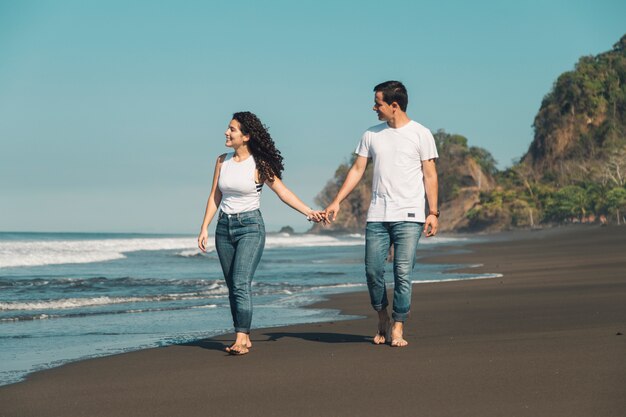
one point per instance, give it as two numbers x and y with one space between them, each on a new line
209 344
321 337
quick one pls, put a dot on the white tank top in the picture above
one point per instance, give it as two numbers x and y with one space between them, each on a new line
240 192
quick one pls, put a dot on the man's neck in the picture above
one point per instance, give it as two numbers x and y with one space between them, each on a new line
399 119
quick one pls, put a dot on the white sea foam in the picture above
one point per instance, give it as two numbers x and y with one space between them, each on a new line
439 240
349 285
188 253
308 240
36 316
35 253
69 303
52 252
473 277
66 303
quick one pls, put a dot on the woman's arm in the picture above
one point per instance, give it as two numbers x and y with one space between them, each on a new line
289 198
215 198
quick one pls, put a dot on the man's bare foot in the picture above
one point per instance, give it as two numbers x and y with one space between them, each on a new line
242 342
397 339
383 328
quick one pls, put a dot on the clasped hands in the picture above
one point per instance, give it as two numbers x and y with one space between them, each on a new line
318 216
326 216
329 214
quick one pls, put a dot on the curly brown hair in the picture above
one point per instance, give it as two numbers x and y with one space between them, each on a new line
267 158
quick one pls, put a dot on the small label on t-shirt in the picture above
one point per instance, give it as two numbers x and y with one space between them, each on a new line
411 215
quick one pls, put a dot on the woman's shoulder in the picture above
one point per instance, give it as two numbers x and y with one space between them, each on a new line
223 157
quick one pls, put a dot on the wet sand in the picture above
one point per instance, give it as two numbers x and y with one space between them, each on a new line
548 338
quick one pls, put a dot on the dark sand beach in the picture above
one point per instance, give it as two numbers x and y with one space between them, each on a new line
548 338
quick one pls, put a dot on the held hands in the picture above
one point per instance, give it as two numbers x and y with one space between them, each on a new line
328 215
316 216
325 216
331 212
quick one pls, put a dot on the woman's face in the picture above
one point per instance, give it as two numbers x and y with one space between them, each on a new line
234 137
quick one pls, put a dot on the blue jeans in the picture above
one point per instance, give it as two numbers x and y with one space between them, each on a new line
379 236
239 241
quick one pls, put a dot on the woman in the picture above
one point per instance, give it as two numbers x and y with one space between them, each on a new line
240 233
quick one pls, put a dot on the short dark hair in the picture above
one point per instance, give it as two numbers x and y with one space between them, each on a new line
394 91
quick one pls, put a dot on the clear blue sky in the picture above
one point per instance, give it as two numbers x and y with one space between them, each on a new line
112 112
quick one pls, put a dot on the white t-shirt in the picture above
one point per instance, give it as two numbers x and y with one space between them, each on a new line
398 184
240 192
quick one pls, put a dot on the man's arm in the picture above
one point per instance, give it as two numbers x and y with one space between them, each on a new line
352 179
288 197
431 185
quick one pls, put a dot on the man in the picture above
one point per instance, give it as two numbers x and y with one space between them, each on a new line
404 154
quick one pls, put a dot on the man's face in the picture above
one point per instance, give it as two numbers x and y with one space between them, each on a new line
383 110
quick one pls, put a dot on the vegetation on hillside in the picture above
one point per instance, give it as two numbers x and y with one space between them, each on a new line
574 170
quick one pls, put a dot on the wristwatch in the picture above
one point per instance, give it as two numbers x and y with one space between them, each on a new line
434 213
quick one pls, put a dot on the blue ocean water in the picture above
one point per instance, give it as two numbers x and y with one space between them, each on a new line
67 296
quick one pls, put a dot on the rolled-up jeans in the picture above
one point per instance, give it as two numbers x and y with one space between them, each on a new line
379 236
239 240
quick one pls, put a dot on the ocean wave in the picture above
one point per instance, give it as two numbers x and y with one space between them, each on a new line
333 286
53 252
83 302
200 289
16 253
68 303
459 278
40 316
309 294
442 240
190 253
308 240
109 283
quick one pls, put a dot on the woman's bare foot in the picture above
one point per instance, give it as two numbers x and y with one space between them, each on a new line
383 328
397 339
242 343
238 349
